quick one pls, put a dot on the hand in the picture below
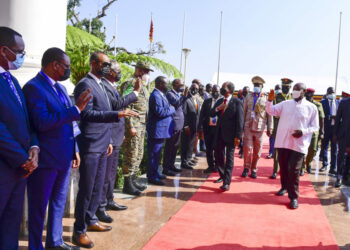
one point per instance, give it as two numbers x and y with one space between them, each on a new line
187 130
268 133
109 150
138 83
32 163
237 141
76 161
127 112
297 133
348 150
186 92
221 107
83 99
133 132
271 95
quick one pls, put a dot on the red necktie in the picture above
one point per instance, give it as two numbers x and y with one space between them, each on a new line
222 112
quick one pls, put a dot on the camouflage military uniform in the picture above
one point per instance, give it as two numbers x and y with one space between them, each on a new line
279 98
133 145
314 140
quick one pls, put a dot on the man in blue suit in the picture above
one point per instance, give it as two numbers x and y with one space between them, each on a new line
94 141
18 144
52 115
330 107
158 128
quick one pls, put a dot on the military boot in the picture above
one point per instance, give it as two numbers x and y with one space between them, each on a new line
129 187
138 185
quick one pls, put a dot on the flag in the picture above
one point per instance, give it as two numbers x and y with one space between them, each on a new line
151 31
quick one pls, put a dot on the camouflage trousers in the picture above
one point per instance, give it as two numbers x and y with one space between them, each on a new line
133 151
311 151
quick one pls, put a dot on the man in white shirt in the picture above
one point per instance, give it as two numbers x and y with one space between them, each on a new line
298 120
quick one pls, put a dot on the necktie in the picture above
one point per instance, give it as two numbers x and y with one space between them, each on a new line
61 95
8 78
105 92
222 112
331 108
195 103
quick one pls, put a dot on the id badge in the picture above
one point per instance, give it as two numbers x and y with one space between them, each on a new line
76 129
212 121
252 114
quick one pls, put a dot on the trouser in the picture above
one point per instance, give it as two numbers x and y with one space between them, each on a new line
343 160
290 162
92 175
312 150
271 144
107 197
225 168
12 188
133 148
47 185
241 145
209 138
187 146
202 145
170 150
252 148
154 150
328 138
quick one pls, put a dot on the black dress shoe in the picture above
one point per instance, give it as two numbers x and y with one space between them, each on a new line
338 183
192 163
104 217
137 184
302 172
269 156
175 169
63 246
309 169
162 176
156 182
294 204
324 167
185 166
208 170
225 187
273 176
332 172
218 180
245 172
129 187
116 207
169 172
281 192
254 175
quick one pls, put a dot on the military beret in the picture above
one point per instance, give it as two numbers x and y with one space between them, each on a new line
143 65
258 79
286 81
310 90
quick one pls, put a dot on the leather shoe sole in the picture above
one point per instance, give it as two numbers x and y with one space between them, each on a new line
82 240
116 207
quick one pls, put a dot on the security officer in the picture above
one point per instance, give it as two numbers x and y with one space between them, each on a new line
135 128
280 97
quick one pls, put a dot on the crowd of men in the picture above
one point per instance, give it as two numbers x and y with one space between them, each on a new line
43 134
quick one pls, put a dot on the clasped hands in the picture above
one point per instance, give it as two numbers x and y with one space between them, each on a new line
32 163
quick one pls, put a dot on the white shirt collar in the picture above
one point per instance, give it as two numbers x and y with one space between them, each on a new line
2 70
95 78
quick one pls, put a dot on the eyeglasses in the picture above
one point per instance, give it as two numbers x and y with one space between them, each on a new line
15 52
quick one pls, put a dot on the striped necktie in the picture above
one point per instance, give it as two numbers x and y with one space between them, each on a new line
7 77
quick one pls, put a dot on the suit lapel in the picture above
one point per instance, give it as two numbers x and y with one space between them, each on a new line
99 90
45 84
6 87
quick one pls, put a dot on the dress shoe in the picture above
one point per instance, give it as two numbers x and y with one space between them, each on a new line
338 183
98 228
208 170
195 158
185 166
64 246
137 184
302 172
332 172
309 169
273 176
245 172
104 217
218 180
281 192
253 175
324 167
82 240
116 207
225 187
215 170
156 182
175 169
129 187
294 204
269 156
169 172
192 163
162 176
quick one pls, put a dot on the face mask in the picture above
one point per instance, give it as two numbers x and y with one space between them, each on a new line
145 78
194 92
257 89
16 64
245 94
223 91
331 97
296 94
215 95
278 91
180 90
118 77
65 75
285 90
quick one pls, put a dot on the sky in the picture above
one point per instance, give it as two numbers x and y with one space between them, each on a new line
278 38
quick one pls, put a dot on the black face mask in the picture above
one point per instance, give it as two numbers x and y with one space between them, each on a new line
104 71
118 77
285 89
245 94
65 75
223 91
215 95
194 92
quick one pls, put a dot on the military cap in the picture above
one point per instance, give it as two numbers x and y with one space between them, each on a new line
286 81
143 65
310 90
345 94
258 79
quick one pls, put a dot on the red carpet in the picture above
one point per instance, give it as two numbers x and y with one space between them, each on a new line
249 216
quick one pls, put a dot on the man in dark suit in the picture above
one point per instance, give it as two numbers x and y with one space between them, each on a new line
229 111
52 114
18 144
94 141
158 128
207 124
191 111
118 128
342 122
172 143
330 107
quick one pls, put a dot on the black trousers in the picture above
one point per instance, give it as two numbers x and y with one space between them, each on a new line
187 146
170 150
225 168
107 197
209 138
343 160
290 162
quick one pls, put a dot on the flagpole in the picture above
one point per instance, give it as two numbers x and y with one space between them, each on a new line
217 82
336 72
183 35
115 35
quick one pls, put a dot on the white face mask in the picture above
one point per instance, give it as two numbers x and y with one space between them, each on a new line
296 94
278 91
331 96
145 78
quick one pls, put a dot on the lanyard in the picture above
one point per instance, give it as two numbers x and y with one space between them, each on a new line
256 97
